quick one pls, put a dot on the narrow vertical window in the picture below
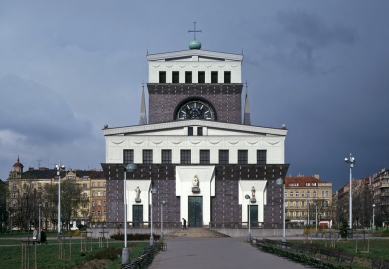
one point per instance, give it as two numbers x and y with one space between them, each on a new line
166 156
128 156
214 77
261 156
188 77
190 131
162 76
175 77
185 156
201 77
199 131
242 156
227 77
147 156
223 156
204 156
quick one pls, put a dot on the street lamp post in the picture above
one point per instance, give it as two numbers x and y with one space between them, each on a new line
350 161
125 253
39 223
280 181
162 203
153 190
373 216
1 222
249 233
59 169
308 204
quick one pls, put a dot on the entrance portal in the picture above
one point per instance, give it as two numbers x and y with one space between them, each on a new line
253 215
195 211
137 215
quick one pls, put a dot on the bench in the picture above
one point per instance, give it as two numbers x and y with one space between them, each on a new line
376 264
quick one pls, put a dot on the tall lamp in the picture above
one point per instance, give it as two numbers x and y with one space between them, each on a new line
125 253
280 181
39 223
315 204
373 216
351 161
59 168
162 203
249 220
153 190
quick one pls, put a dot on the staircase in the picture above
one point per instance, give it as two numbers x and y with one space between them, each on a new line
196 233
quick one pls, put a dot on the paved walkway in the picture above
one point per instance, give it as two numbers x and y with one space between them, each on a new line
215 253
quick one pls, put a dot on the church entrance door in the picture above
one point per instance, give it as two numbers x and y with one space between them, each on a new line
195 211
137 215
253 215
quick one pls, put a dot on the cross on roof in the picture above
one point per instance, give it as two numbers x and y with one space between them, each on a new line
194 31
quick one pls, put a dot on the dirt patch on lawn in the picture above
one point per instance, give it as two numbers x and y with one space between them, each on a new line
94 264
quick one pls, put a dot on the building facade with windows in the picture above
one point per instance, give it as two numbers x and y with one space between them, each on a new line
303 194
195 148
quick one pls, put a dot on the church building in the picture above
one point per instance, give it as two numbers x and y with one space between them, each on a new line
197 149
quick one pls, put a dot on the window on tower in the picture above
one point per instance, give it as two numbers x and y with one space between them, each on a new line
261 156
190 131
204 156
214 77
175 77
223 156
188 77
199 131
185 156
242 156
128 156
227 76
201 77
147 156
162 76
166 156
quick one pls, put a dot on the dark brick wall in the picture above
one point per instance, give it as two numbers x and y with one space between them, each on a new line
164 98
224 206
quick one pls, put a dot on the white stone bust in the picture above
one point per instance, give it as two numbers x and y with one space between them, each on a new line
253 192
195 181
137 192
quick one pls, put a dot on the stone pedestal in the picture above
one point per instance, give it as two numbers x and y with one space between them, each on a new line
253 200
137 200
195 189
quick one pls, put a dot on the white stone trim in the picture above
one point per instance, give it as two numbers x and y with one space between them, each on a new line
189 53
180 124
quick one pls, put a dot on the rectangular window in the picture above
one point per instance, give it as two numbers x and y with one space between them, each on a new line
214 77
261 156
185 156
199 131
98 184
93 184
201 78
98 202
93 213
93 194
128 156
242 156
84 186
302 194
175 77
162 76
147 156
227 77
93 203
204 156
166 156
223 156
190 131
188 77
105 193
40 185
98 193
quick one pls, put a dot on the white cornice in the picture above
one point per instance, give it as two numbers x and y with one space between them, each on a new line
187 53
180 124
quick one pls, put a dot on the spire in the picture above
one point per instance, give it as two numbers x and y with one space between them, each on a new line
246 117
143 117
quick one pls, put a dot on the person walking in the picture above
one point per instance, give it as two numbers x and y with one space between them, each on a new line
184 223
35 234
43 237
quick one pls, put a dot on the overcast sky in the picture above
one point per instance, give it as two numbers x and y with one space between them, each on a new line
320 67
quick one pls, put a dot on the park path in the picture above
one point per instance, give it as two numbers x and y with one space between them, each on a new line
215 253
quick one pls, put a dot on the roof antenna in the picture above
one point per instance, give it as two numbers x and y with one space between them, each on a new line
39 163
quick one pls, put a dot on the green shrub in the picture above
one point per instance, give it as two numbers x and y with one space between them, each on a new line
134 237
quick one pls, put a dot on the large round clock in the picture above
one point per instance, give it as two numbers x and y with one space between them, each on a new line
195 109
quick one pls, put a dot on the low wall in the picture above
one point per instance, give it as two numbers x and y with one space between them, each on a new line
112 231
259 232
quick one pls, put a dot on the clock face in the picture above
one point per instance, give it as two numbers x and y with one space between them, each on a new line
195 109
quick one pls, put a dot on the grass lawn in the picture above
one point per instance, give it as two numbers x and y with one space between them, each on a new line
378 250
47 255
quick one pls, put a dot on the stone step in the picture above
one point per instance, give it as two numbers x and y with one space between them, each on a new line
196 233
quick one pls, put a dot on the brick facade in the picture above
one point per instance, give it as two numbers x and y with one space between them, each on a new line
225 98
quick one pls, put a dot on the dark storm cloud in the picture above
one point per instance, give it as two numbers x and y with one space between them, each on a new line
308 34
36 112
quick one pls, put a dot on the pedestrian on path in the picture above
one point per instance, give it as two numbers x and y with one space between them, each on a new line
184 221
